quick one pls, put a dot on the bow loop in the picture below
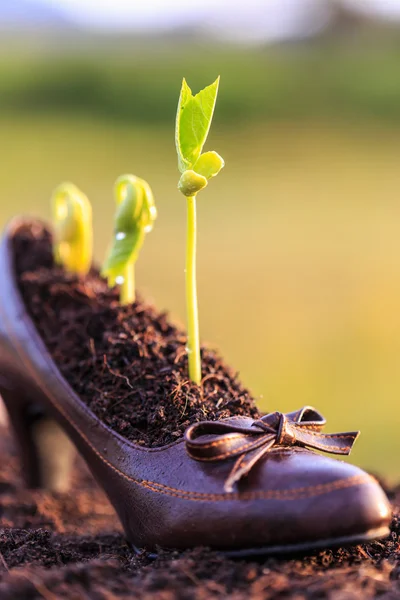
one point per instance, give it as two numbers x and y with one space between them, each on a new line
286 435
307 416
248 440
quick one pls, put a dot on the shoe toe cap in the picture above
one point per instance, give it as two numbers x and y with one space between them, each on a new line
310 499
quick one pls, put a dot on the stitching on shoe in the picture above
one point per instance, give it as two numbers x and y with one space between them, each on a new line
238 464
219 442
233 452
332 436
293 494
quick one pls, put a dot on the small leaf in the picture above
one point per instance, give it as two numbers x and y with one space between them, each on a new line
209 164
191 183
193 121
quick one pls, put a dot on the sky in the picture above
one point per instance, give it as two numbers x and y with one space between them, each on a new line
248 21
166 13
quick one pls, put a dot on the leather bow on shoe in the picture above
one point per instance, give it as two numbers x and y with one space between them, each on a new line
220 440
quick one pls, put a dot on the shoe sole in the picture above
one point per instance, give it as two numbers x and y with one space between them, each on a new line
293 549
349 540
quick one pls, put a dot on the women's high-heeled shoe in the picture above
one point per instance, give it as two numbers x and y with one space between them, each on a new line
239 485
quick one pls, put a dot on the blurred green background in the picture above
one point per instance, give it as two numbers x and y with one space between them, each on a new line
299 245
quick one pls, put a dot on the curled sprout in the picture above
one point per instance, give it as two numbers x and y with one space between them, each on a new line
73 230
193 122
135 216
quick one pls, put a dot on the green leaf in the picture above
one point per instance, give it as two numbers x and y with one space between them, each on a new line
209 164
193 121
185 96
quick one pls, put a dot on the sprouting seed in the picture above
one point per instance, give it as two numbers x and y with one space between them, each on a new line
73 229
134 218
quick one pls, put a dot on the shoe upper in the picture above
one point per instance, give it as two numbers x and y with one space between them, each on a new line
211 490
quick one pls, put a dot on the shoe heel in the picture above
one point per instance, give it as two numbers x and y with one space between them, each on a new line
46 453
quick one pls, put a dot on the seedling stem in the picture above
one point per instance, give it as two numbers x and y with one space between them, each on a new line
193 347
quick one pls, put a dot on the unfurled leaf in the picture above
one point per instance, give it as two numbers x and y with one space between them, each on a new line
185 96
193 121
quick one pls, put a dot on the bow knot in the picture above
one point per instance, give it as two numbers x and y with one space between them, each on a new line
248 441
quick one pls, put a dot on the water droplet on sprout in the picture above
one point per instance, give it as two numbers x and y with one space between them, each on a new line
119 280
120 235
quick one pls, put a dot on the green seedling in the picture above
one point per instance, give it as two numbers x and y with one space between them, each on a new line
73 230
193 121
135 216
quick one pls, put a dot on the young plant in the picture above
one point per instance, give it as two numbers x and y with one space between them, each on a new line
193 121
135 216
73 230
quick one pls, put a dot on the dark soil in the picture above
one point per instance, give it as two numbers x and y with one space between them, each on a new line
71 546
128 364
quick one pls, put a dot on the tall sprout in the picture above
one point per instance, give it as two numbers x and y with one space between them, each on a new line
73 230
135 216
193 121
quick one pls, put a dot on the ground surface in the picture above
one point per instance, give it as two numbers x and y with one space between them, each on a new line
71 546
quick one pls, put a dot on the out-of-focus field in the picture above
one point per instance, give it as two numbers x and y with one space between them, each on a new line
299 251
352 76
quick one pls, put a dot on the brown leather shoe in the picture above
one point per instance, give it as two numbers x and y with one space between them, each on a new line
238 485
